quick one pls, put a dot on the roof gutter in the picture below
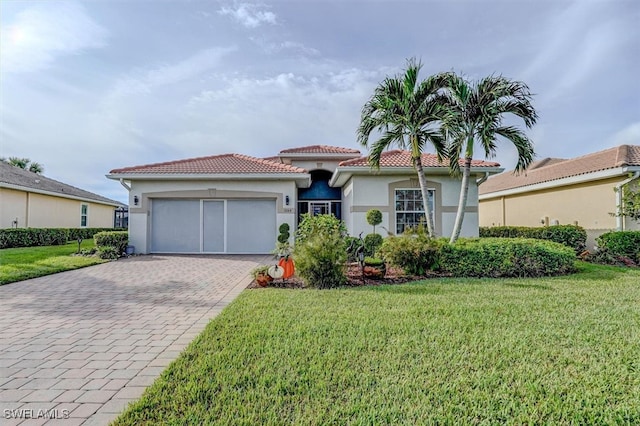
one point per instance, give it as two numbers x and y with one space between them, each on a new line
619 221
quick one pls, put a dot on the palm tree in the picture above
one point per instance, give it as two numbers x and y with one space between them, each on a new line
405 112
475 113
24 163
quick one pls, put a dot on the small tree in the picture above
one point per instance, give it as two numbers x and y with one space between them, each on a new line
374 217
630 206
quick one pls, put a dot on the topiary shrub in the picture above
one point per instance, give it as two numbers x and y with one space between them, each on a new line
374 217
569 235
283 236
372 243
320 251
506 257
620 244
413 251
117 240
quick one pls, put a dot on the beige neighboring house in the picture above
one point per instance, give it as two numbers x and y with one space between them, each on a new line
582 191
234 203
30 200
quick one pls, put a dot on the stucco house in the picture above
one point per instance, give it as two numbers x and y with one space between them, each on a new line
582 190
30 200
234 203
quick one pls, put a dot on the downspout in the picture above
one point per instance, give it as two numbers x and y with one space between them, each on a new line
483 178
123 183
619 221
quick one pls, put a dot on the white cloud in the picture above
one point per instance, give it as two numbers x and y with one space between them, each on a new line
630 135
288 45
249 15
263 116
45 31
143 81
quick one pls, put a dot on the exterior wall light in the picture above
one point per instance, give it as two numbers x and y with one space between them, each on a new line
136 200
286 200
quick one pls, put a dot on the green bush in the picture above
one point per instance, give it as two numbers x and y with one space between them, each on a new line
352 244
117 240
32 237
620 243
569 235
372 243
108 252
502 257
374 217
88 233
320 251
283 236
413 251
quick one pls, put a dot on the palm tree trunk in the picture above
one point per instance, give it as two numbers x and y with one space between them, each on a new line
462 203
425 195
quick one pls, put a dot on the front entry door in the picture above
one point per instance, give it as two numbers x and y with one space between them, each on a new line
316 208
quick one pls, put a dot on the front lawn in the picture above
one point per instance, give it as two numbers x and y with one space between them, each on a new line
562 350
17 264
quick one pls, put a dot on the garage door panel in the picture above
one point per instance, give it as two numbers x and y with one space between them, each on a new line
213 226
251 226
175 226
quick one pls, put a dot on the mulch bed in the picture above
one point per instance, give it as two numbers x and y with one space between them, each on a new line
354 279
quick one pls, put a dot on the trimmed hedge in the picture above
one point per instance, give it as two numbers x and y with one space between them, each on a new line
34 237
569 235
111 244
31 237
502 257
621 243
413 251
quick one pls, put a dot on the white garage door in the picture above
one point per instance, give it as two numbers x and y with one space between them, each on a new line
213 226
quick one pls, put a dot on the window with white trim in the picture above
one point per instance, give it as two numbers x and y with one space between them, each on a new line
84 213
410 208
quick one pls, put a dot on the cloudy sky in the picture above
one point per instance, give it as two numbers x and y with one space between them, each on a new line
90 86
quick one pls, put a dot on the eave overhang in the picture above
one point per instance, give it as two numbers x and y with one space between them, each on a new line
343 173
571 180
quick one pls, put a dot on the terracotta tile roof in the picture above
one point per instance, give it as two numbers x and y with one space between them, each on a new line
24 178
548 169
319 149
217 164
399 158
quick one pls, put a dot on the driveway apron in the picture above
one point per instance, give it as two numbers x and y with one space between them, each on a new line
77 347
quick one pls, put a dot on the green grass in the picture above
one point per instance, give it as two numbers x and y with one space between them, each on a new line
22 263
562 350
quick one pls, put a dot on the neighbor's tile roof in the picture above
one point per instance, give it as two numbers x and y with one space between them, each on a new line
399 158
550 169
319 149
217 164
13 175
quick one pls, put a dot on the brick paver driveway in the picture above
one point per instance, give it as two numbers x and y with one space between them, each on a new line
81 345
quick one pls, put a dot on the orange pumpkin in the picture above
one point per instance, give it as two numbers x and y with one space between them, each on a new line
287 264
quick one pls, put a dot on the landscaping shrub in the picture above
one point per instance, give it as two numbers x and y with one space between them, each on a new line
108 252
117 240
413 251
320 251
502 257
88 233
372 243
569 235
35 237
620 244
31 237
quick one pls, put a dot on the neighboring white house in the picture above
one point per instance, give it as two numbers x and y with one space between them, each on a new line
235 203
